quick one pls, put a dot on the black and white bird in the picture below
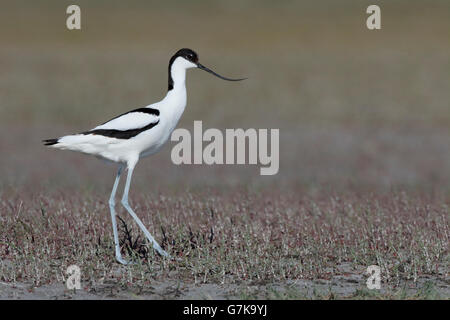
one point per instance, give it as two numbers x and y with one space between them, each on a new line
136 134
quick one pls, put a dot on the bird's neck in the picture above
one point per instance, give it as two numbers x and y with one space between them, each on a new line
177 85
177 77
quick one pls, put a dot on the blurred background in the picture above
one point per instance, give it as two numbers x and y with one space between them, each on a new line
357 109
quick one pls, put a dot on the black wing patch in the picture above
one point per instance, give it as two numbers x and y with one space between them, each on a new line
126 134
121 134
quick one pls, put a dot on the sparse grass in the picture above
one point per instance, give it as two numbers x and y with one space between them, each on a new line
236 238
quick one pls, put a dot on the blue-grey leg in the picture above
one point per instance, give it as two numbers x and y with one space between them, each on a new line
150 238
112 204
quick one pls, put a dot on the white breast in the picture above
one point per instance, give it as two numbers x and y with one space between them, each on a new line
171 108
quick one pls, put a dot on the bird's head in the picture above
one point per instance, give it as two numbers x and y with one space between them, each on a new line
187 58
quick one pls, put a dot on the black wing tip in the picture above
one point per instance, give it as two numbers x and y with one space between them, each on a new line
50 142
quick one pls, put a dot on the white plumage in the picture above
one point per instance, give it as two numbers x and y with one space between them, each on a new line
135 134
129 121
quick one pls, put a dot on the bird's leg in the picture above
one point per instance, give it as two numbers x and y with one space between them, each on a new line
150 238
112 204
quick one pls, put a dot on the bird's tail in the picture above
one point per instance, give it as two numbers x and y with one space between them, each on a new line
50 142
70 142
86 143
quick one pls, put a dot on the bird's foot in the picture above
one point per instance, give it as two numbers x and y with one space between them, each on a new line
165 254
158 248
123 261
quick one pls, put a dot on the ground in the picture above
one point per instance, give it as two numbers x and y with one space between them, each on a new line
243 245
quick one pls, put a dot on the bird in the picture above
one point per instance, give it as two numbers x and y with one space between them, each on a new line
135 134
